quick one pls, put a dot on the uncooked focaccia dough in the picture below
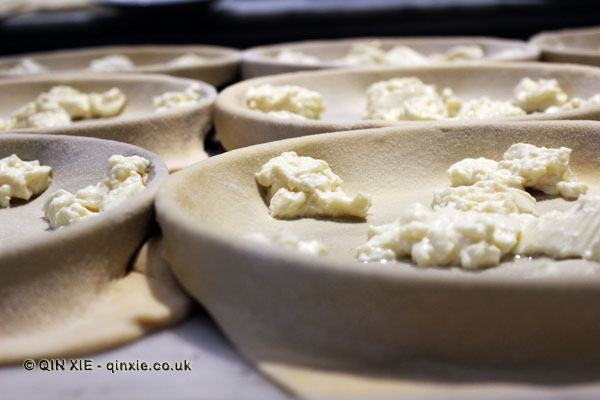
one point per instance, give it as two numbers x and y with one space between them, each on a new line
147 298
304 186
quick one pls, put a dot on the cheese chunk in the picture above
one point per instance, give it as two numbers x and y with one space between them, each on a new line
295 57
523 166
111 63
27 66
485 196
410 99
288 240
169 100
484 108
187 60
472 170
304 186
404 55
62 104
404 99
542 169
22 179
459 53
443 237
126 176
537 96
364 53
293 99
572 233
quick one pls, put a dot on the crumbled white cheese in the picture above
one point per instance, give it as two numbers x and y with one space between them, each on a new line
536 96
22 179
363 53
484 108
187 60
459 53
191 95
410 99
111 63
373 53
485 196
488 214
304 186
295 57
126 176
572 233
404 55
404 99
523 166
27 66
62 104
444 236
290 98
542 169
288 240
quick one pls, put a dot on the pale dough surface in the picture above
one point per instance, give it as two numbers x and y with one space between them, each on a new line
145 299
219 66
260 61
344 93
177 136
333 313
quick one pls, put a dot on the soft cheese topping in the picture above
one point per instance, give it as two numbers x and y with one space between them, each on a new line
373 53
22 179
304 186
62 104
572 233
187 60
485 196
111 63
191 95
523 166
126 176
405 99
487 214
538 95
411 99
296 57
290 98
444 236
27 66
288 240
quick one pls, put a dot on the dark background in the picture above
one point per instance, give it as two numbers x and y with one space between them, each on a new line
245 23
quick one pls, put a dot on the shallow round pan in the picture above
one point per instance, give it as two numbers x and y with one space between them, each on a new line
220 67
71 282
260 61
177 135
283 306
344 94
578 46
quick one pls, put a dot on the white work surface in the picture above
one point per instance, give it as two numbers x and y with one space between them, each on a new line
218 372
